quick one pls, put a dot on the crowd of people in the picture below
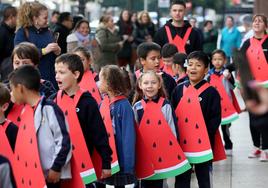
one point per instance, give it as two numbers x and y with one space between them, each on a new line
132 105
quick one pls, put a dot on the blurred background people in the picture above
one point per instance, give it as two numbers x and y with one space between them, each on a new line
210 36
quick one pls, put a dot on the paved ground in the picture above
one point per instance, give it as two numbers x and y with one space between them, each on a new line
238 171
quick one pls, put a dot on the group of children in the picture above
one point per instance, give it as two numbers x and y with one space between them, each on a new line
89 134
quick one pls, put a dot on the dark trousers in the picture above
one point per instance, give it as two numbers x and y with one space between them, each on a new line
151 183
100 185
53 185
259 131
203 173
228 144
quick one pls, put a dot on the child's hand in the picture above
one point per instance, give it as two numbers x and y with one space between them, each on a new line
53 176
226 73
106 173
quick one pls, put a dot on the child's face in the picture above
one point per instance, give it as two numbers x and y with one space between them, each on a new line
85 60
175 68
17 93
152 61
196 70
168 61
218 61
103 88
149 86
17 62
65 78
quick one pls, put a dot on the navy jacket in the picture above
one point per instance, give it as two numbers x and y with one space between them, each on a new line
41 38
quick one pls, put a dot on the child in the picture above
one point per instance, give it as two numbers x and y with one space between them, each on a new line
90 79
112 83
149 57
222 80
8 136
197 130
43 133
87 129
151 108
179 67
168 51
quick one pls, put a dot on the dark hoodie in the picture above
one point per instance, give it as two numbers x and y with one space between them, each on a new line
194 38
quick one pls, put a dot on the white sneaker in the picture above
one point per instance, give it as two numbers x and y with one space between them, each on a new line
264 156
255 153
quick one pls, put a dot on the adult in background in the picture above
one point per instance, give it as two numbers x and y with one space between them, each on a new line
177 31
33 28
145 28
193 22
230 37
256 50
80 36
210 35
64 27
54 19
7 34
110 42
125 30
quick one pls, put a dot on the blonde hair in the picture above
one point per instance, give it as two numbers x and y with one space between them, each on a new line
27 12
144 12
139 94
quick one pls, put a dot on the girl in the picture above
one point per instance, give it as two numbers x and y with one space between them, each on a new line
256 50
90 78
154 114
222 80
112 83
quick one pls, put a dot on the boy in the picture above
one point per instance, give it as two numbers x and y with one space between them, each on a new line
149 57
69 72
167 52
179 67
198 95
43 123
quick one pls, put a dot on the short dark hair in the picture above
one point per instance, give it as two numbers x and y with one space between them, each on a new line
200 56
55 12
9 11
231 17
146 47
4 94
73 62
177 2
207 22
64 16
26 50
180 59
218 51
168 50
26 75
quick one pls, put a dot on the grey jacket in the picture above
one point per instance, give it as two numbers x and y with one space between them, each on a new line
53 138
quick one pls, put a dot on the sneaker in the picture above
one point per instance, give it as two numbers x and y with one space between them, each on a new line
264 156
256 152
229 152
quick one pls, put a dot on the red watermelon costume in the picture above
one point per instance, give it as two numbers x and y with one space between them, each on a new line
257 61
26 153
194 138
15 112
88 83
105 113
81 158
161 145
6 149
168 70
178 41
228 111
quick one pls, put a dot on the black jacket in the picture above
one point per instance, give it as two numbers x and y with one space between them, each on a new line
194 38
7 35
64 32
210 106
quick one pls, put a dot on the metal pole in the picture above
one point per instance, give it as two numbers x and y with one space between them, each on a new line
81 7
145 5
